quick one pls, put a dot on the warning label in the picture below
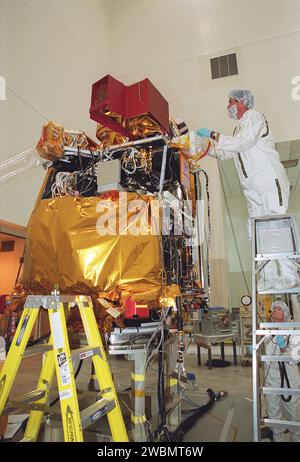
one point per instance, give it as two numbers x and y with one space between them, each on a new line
64 370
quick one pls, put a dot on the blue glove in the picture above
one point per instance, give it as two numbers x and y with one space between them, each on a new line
250 349
280 340
204 132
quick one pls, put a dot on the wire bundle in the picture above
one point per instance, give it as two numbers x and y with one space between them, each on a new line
132 161
64 184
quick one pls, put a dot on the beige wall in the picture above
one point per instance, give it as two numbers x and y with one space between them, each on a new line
171 42
51 51
9 263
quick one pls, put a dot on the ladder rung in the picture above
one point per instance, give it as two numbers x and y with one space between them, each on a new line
281 423
275 256
86 352
284 358
280 391
97 410
264 325
267 218
24 400
276 332
37 349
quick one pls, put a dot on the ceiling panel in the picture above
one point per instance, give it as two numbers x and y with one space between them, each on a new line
284 153
284 145
114 4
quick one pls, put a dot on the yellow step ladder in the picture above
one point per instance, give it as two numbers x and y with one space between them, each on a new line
58 357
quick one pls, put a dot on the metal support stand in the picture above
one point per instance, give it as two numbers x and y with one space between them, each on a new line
120 344
138 417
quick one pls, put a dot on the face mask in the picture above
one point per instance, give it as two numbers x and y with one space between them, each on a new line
232 112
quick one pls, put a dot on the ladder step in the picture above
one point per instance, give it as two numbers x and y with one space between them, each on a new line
85 352
24 400
280 391
37 350
81 353
97 410
275 256
284 358
281 423
277 332
270 325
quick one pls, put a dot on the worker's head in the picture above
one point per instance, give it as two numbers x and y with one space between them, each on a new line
240 101
280 312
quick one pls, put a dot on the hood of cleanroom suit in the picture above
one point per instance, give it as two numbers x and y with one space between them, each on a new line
283 306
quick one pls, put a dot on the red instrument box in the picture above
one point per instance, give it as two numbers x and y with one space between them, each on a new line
113 103
143 98
108 101
135 310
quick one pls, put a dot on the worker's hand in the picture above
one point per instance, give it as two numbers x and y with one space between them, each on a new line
249 349
280 340
204 132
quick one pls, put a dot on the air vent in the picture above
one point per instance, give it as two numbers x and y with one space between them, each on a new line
7 246
224 66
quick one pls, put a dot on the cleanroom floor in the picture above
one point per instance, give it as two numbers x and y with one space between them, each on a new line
230 419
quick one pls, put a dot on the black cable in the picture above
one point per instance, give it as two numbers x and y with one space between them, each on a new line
161 393
93 164
219 363
85 172
284 376
80 160
209 227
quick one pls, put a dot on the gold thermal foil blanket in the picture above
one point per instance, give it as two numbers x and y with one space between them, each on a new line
65 248
144 126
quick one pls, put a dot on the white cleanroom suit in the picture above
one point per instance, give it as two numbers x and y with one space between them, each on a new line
263 180
277 408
